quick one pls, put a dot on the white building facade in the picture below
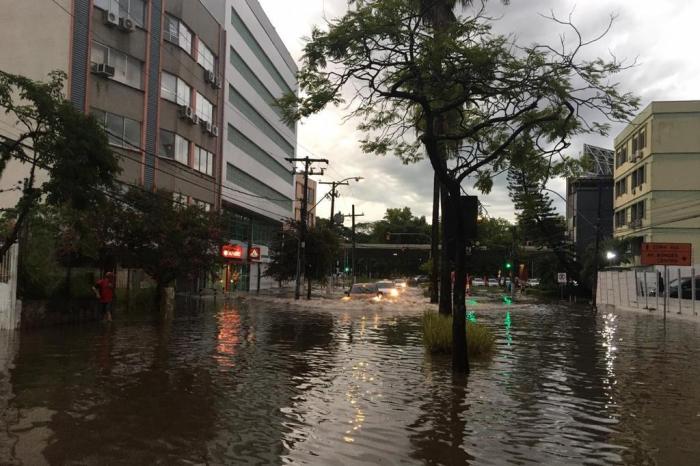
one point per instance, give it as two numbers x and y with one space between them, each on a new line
257 182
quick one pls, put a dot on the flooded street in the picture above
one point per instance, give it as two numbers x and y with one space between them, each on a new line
257 384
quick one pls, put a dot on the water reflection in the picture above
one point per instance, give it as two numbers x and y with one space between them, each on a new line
239 384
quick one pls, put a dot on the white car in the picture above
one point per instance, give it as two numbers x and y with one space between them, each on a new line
477 282
387 289
493 282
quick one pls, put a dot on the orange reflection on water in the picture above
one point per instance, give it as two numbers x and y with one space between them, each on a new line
229 335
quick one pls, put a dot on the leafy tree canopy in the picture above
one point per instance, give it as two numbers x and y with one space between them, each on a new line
51 136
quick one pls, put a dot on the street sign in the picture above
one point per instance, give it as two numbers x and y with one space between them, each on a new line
254 253
561 278
666 253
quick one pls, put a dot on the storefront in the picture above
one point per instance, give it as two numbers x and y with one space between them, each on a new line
239 260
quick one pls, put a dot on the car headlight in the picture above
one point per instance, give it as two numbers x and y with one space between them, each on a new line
394 292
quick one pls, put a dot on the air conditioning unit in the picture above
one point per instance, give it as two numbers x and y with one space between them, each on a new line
111 19
218 82
634 190
206 126
194 119
103 69
209 76
127 24
214 131
186 112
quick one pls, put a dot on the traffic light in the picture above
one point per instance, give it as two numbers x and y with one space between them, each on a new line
509 265
347 269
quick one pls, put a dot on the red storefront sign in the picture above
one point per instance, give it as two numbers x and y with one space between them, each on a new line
254 253
232 251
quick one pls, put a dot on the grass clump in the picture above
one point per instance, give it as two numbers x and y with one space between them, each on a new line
437 335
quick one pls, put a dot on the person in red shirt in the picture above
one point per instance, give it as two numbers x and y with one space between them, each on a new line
104 290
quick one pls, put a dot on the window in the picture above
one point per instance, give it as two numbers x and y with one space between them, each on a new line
637 211
167 144
178 33
174 146
134 9
204 108
620 218
174 89
205 206
203 161
642 139
182 150
621 187
638 177
180 200
121 131
621 156
127 70
205 57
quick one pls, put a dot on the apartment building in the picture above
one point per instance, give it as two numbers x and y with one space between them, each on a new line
148 69
257 182
311 189
657 187
587 196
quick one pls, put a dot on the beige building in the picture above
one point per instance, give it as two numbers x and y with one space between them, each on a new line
149 71
657 176
299 199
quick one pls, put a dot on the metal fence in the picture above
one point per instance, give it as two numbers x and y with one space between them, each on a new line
666 289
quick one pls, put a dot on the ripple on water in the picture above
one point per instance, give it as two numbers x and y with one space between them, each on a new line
236 384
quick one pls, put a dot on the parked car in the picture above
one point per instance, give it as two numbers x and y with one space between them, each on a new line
686 288
421 279
363 291
401 284
493 282
387 289
477 282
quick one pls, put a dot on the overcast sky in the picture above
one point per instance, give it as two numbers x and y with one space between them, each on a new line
661 35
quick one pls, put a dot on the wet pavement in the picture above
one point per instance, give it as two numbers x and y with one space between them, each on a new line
267 384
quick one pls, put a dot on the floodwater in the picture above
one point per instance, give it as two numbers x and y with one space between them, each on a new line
250 384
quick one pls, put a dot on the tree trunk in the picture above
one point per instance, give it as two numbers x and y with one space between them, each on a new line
435 240
460 356
445 306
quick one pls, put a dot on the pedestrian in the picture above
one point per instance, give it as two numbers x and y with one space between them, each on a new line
104 291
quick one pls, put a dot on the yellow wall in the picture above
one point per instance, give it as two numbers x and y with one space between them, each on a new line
672 182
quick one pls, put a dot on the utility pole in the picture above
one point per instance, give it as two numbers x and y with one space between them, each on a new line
334 194
301 245
334 191
353 241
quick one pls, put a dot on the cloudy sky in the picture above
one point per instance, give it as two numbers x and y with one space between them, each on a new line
661 36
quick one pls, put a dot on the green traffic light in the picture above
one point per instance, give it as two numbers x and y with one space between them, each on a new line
347 269
508 265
